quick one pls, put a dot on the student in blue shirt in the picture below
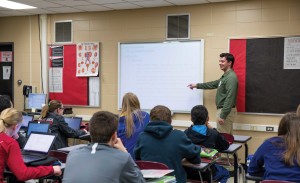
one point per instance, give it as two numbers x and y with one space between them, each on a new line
278 158
132 121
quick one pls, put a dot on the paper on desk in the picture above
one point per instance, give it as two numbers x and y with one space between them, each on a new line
154 173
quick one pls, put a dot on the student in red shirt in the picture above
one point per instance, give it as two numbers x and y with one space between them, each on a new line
10 153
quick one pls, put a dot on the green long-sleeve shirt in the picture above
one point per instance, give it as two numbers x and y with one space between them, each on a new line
227 87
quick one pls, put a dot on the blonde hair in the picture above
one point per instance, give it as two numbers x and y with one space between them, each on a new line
51 107
130 107
298 110
9 117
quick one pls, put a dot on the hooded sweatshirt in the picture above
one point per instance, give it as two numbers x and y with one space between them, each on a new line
160 143
211 139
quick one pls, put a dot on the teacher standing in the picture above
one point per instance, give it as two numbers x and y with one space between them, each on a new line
227 87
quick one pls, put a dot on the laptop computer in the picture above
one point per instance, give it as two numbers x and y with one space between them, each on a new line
34 126
37 147
25 121
74 122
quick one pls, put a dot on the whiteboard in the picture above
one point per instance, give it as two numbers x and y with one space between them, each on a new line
158 73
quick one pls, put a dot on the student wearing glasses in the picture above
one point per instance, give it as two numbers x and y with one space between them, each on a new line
53 113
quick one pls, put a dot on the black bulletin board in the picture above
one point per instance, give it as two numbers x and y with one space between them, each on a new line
264 85
6 86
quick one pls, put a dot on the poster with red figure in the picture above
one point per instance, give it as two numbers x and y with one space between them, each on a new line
87 59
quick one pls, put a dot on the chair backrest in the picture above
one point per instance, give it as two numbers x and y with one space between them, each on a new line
228 137
275 181
60 155
144 165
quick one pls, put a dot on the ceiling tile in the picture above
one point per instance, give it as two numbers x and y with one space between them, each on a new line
38 11
70 6
64 10
92 8
105 1
187 2
71 2
154 3
118 6
44 4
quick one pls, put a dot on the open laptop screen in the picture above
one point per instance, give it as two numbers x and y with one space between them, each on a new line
39 142
26 119
73 122
37 127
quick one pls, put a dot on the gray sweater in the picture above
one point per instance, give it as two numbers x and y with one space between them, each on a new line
101 163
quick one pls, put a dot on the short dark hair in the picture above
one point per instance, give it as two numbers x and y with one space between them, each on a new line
199 115
229 57
103 125
161 113
4 102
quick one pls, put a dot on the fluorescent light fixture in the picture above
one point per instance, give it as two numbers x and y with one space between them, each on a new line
14 5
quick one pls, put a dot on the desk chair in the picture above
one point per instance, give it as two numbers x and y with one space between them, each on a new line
256 179
144 165
226 161
275 181
60 155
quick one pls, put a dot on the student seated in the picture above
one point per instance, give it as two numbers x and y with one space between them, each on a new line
201 133
105 159
132 121
53 113
278 158
160 143
5 102
10 152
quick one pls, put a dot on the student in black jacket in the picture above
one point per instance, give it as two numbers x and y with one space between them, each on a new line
53 113
201 133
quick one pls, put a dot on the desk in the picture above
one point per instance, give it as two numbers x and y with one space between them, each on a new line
11 178
200 167
70 148
233 148
243 139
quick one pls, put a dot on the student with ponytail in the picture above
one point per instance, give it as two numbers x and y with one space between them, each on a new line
132 121
53 113
10 153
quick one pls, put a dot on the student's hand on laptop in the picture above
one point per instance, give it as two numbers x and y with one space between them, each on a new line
57 170
119 145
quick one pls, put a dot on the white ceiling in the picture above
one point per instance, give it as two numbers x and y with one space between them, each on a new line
71 6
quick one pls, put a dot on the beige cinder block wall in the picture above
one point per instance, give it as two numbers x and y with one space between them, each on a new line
215 23
23 32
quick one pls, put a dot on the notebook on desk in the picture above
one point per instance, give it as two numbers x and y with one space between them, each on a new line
37 147
34 126
208 153
155 173
74 122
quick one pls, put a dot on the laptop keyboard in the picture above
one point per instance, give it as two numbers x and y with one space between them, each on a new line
29 158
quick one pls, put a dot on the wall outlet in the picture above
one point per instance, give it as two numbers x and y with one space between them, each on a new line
269 128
